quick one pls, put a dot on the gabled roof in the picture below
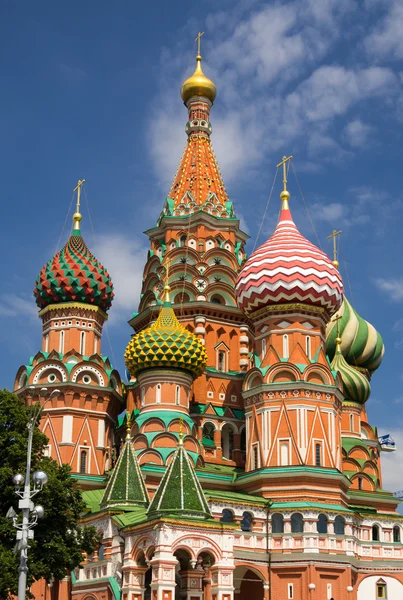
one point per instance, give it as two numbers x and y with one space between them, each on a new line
126 486
179 492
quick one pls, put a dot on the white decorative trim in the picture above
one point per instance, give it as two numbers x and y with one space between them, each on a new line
47 367
84 368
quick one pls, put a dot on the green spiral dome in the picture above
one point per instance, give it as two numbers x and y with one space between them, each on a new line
362 346
166 344
356 387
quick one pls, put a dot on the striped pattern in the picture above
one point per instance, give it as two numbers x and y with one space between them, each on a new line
361 345
288 268
356 386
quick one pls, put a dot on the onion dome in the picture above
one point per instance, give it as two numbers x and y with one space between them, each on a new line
166 344
356 387
287 269
198 84
74 275
362 346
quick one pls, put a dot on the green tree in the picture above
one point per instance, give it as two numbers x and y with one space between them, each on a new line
59 541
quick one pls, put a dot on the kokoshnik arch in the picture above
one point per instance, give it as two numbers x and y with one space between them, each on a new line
246 466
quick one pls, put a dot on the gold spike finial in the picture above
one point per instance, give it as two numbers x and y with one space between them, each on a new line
181 431
334 235
197 39
77 215
338 338
128 425
285 194
167 288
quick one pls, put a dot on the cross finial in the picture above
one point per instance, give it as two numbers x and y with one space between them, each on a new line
285 195
128 425
197 39
338 338
180 430
77 215
334 235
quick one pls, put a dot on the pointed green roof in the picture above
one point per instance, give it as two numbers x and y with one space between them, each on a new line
126 486
179 492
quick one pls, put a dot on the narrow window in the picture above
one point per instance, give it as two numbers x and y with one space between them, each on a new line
221 360
284 458
277 523
246 523
227 516
318 450
329 591
177 395
95 344
47 342
255 451
297 523
375 533
158 393
290 591
182 240
101 433
243 443
360 483
101 552
82 343
396 534
61 342
285 346
339 525
381 590
351 422
143 395
308 346
263 349
83 461
321 524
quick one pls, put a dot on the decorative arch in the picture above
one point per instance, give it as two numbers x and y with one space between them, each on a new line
252 379
282 373
150 456
317 374
90 369
47 367
208 545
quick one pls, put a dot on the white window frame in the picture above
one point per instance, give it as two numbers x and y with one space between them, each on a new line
263 354
82 343
158 394
88 465
286 346
308 346
290 591
284 443
67 429
61 342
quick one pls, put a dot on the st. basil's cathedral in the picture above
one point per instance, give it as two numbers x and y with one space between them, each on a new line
238 462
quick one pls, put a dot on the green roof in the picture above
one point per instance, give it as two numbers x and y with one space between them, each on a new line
179 492
126 486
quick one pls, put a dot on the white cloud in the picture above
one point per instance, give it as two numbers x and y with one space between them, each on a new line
124 257
386 40
13 305
393 287
357 133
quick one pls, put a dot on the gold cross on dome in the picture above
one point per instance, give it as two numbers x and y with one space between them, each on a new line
334 235
180 430
78 190
283 163
197 39
336 320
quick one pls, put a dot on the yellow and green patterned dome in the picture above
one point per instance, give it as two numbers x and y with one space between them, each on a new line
356 387
166 344
361 345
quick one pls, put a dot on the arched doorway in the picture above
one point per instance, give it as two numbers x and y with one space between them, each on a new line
248 584
181 574
205 561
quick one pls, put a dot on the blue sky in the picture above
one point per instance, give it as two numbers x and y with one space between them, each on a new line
91 90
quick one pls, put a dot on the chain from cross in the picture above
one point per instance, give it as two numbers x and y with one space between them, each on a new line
197 39
283 163
334 235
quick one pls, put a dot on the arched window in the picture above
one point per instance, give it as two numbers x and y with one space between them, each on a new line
61 342
277 523
351 422
227 516
321 524
101 552
396 534
360 483
308 346
284 454
286 351
143 395
227 441
177 395
318 455
83 461
182 240
263 349
221 360
208 431
243 443
82 343
381 591
375 533
217 299
297 523
158 393
339 525
246 523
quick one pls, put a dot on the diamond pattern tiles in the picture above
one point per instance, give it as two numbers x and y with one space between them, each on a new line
166 344
288 268
74 275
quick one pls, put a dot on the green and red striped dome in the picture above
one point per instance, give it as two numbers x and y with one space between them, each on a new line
74 275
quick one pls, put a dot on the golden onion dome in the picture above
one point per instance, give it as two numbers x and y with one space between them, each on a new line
166 344
198 84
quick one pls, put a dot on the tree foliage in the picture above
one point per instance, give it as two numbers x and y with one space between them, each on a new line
59 541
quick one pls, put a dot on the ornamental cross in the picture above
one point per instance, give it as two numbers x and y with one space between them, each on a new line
180 429
128 425
197 39
334 235
336 320
283 163
78 190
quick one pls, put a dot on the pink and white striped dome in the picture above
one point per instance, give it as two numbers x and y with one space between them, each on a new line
288 268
